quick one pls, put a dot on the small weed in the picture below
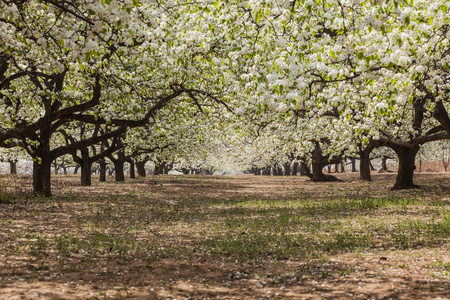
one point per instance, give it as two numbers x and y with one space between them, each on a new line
440 265
358 253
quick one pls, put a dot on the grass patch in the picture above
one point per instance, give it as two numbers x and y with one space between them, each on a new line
224 222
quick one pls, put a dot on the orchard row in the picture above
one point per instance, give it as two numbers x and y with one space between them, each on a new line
243 83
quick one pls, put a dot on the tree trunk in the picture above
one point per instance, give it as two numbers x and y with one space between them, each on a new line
384 164
75 171
132 172
353 164
119 167
168 167
86 173
256 171
13 167
364 169
111 171
304 169
318 165
119 171
42 165
42 177
406 167
287 169
364 163
317 174
280 171
159 168
336 168
140 166
295 168
274 171
102 164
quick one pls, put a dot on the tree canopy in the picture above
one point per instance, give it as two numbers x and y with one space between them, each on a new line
275 81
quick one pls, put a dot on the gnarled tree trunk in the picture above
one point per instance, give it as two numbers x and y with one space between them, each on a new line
304 169
42 164
86 173
384 167
140 166
364 163
353 164
406 167
102 164
295 168
119 166
86 168
76 168
318 163
159 168
132 171
42 177
287 169
12 167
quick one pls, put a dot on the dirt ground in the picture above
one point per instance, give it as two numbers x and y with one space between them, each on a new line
151 239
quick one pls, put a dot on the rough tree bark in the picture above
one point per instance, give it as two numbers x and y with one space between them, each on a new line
384 167
42 177
12 166
119 165
86 169
406 167
159 168
295 168
353 164
304 169
42 163
140 166
132 171
86 172
287 169
364 162
102 164
76 168
319 162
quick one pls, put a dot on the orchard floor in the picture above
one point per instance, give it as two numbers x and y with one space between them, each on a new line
227 237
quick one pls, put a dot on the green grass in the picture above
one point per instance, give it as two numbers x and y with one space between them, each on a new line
138 225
